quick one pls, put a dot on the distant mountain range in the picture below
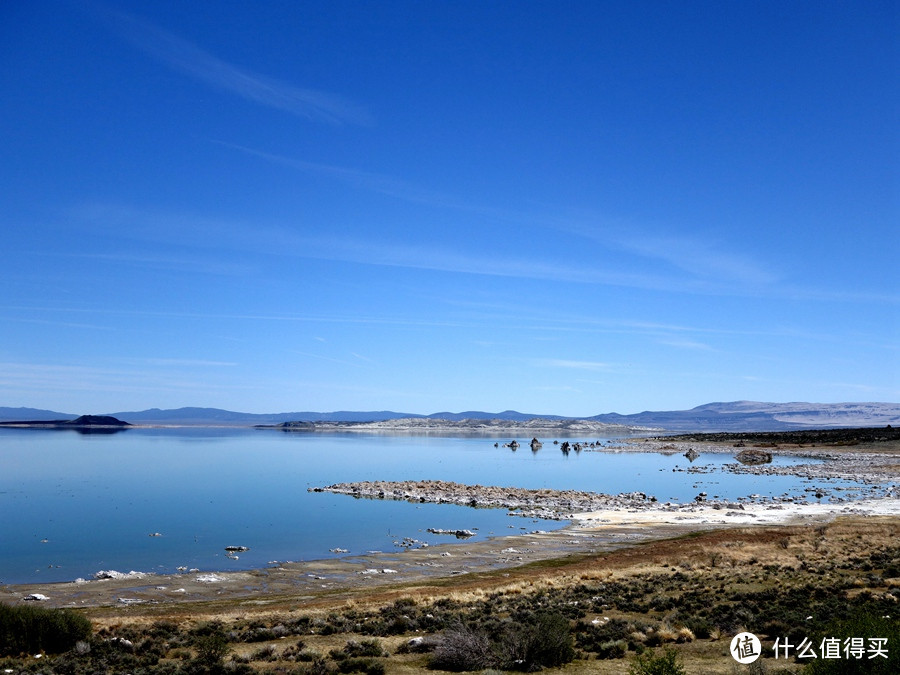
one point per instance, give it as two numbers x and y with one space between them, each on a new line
734 416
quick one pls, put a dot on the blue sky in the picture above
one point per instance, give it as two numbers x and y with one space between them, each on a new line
555 207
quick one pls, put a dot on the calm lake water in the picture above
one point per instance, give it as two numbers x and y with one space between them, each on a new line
72 504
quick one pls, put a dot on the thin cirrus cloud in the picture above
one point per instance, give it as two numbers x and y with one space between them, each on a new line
574 365
737 275
385 184
24 377
700 258
186 57
686 344
204 232
701 265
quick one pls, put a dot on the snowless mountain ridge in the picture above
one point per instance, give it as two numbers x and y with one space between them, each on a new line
720 416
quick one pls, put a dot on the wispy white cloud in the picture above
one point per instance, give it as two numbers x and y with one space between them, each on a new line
181 363
188 58
439 258
330 359
686 344
573 364
355 318
202 232
550 389
19 377
403 189
56 322
183 263
698 257
366 180
681 262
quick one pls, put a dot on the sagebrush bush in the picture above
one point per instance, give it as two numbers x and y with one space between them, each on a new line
544 640
370 647
368 666
651 663
462 648
25 628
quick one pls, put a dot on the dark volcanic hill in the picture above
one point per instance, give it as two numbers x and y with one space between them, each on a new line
81 423
96 421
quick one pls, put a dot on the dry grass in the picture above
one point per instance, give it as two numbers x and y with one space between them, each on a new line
737 560
726 552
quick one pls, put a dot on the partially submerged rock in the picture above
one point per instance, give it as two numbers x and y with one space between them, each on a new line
753 456
459 534
113 574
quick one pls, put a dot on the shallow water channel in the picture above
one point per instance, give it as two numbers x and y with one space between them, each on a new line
72 504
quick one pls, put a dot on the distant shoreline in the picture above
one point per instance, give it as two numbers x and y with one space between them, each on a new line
428 425
402 425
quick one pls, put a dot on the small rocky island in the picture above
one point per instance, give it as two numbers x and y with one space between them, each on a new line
84 422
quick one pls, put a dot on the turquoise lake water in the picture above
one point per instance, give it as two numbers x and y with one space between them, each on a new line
73 504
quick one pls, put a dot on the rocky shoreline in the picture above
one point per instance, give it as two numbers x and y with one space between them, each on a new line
878 471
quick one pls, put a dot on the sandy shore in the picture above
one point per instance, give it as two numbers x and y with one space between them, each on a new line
610 523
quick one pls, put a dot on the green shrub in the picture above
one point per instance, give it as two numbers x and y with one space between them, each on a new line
307 655
360 665
370 647
546 642
652 663
25 628
594 637
615 649
267 653
700 627
212 648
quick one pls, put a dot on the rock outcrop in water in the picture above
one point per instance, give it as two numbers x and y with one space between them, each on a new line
459 534
543 503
